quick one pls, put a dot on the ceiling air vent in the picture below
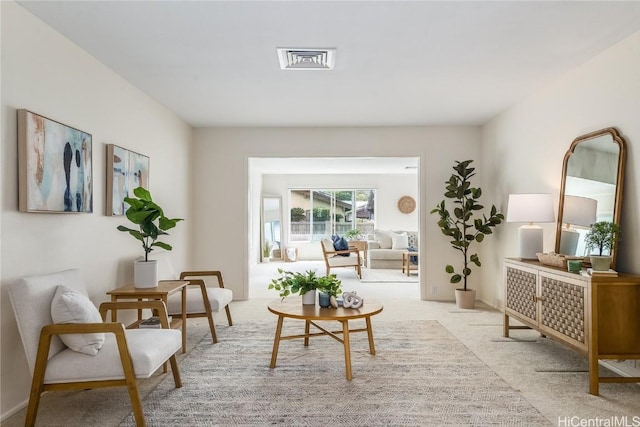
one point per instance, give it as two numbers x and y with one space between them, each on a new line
306 59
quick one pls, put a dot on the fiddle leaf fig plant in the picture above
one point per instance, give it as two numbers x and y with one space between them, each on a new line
463 224
602 236
150 220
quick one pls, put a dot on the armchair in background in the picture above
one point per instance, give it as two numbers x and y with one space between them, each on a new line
343 258
202 299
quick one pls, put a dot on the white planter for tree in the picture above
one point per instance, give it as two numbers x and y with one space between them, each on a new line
145 273
600 263
309 298
466 299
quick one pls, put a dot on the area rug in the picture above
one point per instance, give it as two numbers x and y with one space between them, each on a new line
421 376
377 275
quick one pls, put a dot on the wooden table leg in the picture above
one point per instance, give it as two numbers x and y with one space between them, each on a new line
594 374
307 328
347 348
505 326
184 319
372 346
114 313
276 342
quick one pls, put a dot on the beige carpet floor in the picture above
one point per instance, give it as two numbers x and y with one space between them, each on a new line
420 373
549 376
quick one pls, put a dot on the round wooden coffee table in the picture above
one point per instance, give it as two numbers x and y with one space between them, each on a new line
293 308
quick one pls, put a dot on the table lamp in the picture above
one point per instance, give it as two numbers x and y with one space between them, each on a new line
530 208
578 211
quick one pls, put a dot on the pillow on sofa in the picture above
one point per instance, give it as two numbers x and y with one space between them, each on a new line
71 306
384 238
413 240
399 241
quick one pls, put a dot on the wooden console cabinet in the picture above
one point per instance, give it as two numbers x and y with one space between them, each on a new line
597 316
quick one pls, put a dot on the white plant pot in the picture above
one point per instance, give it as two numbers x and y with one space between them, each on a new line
600 263
309 298
145 273
465 299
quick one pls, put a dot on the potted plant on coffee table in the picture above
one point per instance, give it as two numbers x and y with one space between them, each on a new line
602 236
151 223
463 228
305 284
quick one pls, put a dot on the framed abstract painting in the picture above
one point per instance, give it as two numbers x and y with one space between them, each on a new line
126 170
54 166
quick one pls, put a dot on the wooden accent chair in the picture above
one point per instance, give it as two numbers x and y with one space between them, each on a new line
202 300
333 258
122 356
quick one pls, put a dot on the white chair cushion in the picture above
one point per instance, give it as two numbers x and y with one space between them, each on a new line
327 244
399 241
218 298
149 349
31 301
341 261
71 306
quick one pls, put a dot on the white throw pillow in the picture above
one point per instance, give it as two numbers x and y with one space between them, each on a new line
383 238
399 241
71 306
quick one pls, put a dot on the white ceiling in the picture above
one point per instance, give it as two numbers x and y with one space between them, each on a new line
398 63
336 165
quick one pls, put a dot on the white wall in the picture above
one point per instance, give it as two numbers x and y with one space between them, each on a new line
525 146
45 73
390 187
221 179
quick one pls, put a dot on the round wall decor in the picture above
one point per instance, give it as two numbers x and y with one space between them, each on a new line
406 204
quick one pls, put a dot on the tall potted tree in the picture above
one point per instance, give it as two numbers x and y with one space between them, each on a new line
463 227
151 224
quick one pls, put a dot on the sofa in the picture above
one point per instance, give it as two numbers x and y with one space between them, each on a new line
385 248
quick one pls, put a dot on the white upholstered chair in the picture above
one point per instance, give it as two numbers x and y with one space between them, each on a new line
333 258
109 355
203 297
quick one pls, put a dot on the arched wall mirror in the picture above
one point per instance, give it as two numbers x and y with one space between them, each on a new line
271 241
591 189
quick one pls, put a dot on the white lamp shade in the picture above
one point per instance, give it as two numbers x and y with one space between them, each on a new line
579 211
530 207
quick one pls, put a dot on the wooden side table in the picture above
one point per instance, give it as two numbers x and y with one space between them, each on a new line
406 262
161 292
362 246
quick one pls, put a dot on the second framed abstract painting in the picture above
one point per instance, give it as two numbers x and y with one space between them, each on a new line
126 170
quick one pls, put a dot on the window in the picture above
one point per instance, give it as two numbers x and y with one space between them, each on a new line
317 214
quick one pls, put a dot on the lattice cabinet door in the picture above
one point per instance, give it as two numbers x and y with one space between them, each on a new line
563 305
520 298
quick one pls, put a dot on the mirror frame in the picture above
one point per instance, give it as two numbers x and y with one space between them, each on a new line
262 218
617 204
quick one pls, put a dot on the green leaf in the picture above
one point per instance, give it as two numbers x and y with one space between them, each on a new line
162 245
449 269
456 278
479 237
142 193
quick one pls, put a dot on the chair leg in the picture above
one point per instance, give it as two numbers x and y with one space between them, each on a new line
212 328
176 373
359 270
37 387
226 308
136 404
